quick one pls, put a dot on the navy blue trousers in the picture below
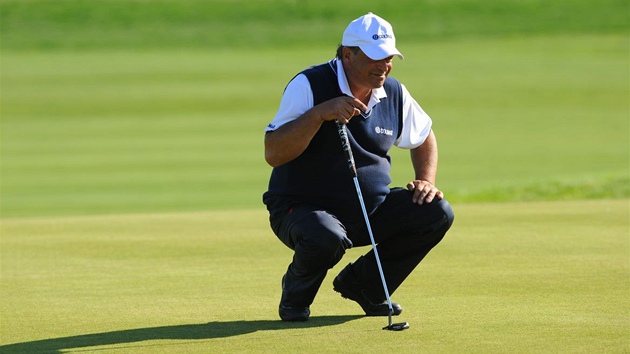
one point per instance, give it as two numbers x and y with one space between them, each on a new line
404 232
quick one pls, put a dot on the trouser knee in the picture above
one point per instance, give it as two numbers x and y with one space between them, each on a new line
447 212
321 251
443 217
321 242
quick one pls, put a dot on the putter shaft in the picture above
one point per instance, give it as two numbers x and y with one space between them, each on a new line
345 142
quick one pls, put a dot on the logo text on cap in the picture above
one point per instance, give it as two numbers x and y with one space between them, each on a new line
381 36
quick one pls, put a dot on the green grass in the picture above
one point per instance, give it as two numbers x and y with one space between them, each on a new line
132 172
522 113
138 106
126 131
517 277
132 24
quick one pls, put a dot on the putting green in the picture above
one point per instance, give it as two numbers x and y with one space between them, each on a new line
512 277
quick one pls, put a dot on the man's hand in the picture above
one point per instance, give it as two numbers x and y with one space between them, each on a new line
424 191
341 108
290 140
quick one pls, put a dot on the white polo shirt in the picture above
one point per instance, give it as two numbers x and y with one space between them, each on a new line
298 98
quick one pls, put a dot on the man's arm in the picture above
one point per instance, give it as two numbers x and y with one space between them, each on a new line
291 139
425 162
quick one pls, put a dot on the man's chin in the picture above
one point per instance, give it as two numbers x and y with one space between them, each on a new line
380 82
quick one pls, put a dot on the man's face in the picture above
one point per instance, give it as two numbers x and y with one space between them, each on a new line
363 72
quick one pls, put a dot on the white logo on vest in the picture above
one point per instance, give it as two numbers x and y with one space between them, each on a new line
384 131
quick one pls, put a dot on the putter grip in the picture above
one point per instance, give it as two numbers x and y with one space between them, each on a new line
345 144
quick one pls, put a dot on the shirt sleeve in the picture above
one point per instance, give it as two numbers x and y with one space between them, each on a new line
296 99
416 123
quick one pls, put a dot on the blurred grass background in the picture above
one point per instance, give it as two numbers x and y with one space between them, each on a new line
141 106
86 24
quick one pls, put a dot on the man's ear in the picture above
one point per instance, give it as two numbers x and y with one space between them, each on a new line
346 53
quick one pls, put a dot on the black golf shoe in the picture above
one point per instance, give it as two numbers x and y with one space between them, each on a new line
349 286
294 314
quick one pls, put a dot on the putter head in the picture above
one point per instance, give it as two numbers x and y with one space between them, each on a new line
397 326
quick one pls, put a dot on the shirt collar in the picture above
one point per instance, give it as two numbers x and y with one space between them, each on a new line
377 94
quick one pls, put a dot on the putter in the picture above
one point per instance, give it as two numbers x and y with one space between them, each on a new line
343 134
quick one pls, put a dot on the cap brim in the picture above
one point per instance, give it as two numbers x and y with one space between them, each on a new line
379 52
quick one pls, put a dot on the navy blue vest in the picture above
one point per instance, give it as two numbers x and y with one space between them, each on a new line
320 175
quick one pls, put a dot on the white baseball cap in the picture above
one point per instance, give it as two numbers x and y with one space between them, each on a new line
373 35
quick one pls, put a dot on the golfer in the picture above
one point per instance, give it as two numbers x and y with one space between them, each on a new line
312 201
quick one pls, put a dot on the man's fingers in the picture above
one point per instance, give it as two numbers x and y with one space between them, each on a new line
423 192
345 117
348 109
359 105
419 193
422 196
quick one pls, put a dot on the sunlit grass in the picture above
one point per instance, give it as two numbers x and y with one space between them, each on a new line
511 277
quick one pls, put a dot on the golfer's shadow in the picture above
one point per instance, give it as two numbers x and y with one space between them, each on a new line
184 332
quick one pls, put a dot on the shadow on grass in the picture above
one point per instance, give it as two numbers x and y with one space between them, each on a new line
183 332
